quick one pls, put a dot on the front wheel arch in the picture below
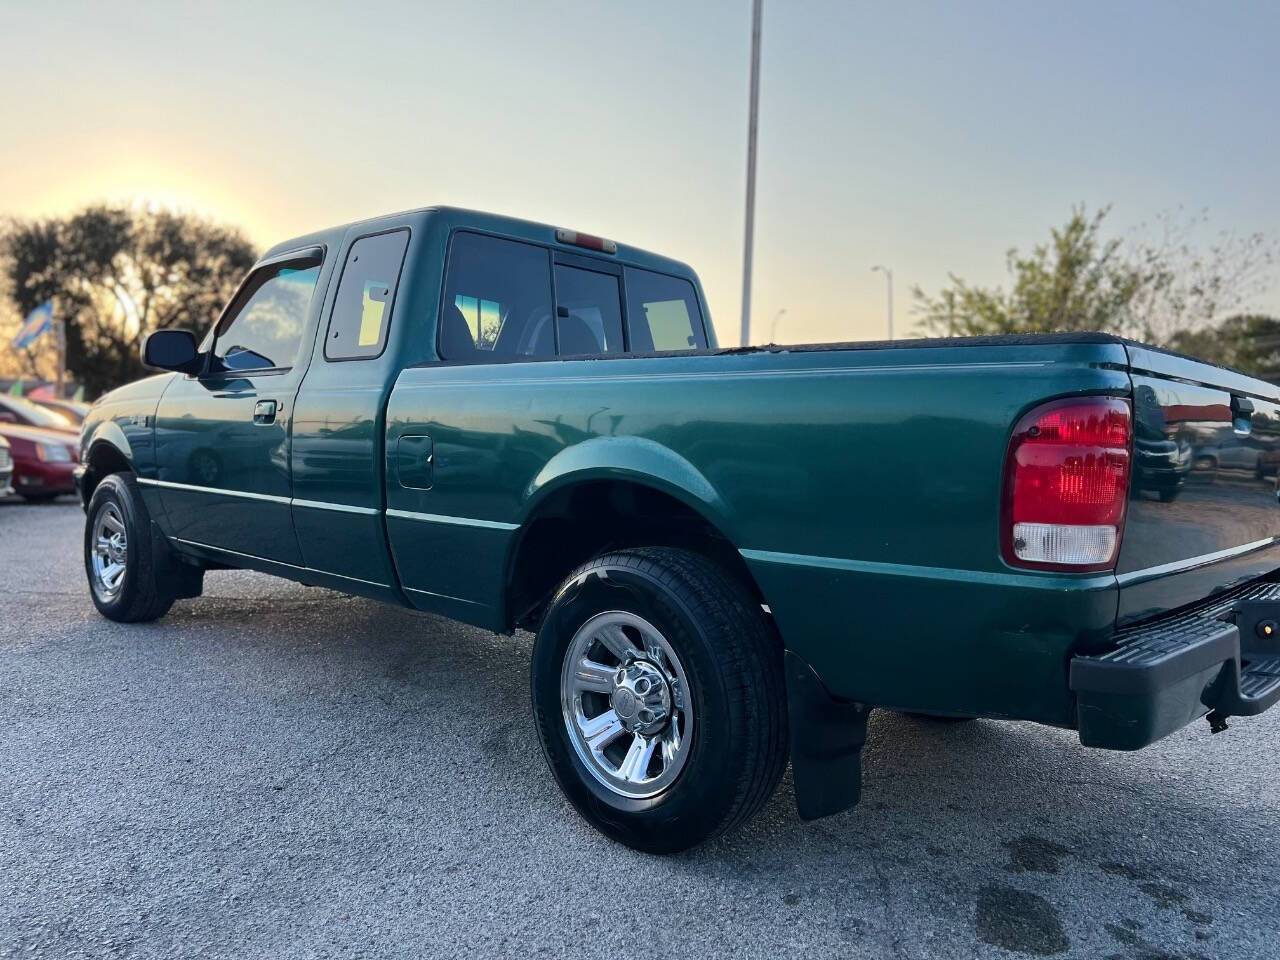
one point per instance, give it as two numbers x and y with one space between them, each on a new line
103 459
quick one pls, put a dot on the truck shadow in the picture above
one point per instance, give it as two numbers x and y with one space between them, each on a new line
997 833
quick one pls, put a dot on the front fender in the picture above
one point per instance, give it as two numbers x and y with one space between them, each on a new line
636 459
105 431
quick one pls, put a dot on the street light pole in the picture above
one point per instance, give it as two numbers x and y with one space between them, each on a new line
752 118
888 276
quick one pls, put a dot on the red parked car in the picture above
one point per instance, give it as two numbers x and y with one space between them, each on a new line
44 445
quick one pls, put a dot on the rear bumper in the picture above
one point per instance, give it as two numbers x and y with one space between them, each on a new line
1162 675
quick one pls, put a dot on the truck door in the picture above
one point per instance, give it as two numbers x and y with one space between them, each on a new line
339 421
222 438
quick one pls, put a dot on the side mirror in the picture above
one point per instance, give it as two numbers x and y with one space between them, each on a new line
172 350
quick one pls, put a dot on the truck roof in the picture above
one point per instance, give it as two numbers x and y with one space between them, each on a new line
459 217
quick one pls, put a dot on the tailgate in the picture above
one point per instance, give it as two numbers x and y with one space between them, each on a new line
1203 511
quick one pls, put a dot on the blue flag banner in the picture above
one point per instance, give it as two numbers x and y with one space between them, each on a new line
39 322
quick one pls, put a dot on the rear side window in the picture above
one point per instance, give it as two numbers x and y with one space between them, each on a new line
266 330
362 308
662 313
497 300
588 312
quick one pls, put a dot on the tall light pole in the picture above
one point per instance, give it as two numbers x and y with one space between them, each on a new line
752 118
888 275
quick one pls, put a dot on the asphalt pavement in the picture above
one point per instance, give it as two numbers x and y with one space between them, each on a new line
277 771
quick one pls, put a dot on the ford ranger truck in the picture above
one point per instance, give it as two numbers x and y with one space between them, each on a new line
728 557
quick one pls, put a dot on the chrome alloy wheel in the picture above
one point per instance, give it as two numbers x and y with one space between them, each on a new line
626 704
110 552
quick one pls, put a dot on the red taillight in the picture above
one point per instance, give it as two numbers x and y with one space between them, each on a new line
1066 484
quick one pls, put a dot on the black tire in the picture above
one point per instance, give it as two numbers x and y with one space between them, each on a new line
732 658
145 593
1169 494
38 497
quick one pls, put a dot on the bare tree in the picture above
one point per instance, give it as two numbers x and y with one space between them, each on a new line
1190 287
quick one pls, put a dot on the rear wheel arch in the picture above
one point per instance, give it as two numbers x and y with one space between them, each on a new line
592 515
715 660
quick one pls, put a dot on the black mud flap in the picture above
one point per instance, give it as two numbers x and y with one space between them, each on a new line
826 743
176 575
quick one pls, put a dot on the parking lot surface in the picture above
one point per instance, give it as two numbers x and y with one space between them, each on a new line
276 771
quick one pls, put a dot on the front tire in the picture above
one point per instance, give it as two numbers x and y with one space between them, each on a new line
125 580
659 700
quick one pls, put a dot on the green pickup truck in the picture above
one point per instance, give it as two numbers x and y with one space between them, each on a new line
728 556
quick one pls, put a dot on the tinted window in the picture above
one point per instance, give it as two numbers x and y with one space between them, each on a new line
497 300
588 312
362 309
266 331
662 313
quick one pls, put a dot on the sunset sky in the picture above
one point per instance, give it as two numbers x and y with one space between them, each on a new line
927 137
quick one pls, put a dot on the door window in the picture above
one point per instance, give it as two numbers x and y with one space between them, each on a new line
662 313
588 312
266 330
497 300
362 308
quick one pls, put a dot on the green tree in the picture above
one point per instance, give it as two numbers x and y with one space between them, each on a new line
1133 286
1076 281
117 273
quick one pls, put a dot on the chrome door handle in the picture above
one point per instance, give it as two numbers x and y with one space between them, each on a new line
264 412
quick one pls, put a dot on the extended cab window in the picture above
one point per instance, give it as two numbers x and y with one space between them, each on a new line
266 330
362 308
497 300
588 312
662 313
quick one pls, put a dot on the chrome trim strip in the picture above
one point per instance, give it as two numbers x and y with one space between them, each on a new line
444 596
338 507
457 521
278 563
193 488
1192 563
1096 581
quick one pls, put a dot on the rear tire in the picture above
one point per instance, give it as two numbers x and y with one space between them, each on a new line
700 650
117 533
